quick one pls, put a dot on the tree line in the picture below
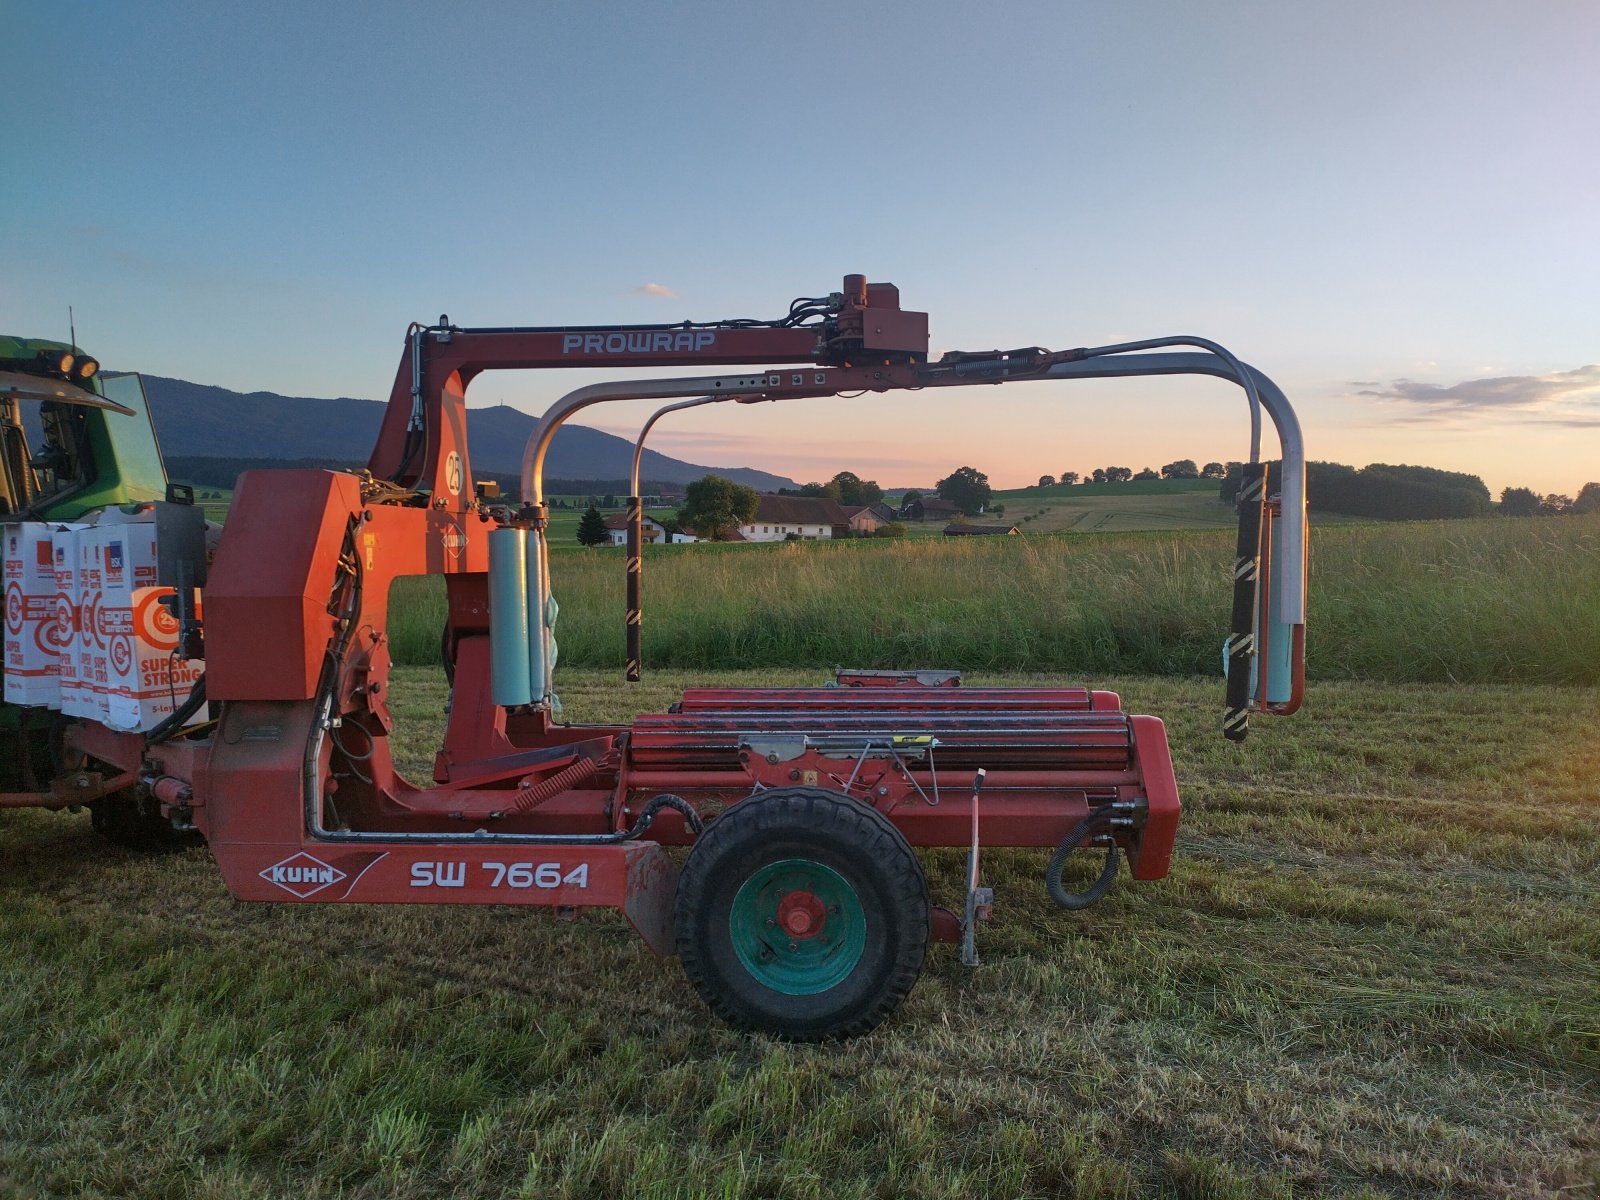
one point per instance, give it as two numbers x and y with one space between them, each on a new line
1407 493
1183 468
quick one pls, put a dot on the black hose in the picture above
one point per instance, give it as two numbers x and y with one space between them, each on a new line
180 716
667 800
1096 821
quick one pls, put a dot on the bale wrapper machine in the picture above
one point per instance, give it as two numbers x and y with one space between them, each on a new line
800 907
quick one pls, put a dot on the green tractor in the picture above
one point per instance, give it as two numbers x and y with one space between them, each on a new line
72 441
87 442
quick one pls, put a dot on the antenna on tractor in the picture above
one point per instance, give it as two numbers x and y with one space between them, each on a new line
72 327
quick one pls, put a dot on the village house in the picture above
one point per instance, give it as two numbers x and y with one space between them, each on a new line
651 530
864 522
929 508
806 517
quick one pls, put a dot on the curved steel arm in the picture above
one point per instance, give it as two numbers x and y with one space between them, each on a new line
638 446
721 386
1291 598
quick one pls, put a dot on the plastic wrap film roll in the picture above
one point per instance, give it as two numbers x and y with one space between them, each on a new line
509 661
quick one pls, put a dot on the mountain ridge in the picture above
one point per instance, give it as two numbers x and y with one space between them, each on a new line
202 420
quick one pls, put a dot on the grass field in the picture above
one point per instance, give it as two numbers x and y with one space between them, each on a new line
1491 601
1117 507
1374 972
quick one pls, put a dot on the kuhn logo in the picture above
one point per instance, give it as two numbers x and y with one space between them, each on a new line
302 875
647 341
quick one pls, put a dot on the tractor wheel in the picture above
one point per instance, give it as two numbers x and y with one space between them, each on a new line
803 914
125 820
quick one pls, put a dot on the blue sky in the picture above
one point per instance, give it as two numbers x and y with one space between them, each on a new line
1390 208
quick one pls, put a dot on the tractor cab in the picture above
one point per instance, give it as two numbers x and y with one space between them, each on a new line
71 438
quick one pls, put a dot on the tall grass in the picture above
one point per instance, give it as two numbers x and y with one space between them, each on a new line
1469 601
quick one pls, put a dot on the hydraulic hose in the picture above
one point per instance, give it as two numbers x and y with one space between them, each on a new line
1097 820
180 716
691 819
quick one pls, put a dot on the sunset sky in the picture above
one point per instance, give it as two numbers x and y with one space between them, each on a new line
1391 208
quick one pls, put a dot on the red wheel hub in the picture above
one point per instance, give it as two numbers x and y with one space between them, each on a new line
801 914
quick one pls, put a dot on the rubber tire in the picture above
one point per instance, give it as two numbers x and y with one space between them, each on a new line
851 838
124 820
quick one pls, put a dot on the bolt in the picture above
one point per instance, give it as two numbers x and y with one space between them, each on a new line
833 910
770 921
794 945
824 939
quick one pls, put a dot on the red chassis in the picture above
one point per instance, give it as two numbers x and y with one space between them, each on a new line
294 786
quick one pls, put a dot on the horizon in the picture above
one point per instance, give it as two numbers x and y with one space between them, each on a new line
1388 211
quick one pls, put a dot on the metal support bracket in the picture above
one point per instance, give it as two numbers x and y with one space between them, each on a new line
980 900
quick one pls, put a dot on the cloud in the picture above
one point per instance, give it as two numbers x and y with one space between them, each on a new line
659 290
1570 398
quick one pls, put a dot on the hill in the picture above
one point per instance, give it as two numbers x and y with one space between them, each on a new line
198 420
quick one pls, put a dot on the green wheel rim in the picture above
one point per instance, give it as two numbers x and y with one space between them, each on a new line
798 927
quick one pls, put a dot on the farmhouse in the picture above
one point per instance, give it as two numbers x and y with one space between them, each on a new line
805 517
954 530
883 512
864 522
652 530
930 508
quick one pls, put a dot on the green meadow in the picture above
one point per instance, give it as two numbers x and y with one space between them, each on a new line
1490 601
1374 970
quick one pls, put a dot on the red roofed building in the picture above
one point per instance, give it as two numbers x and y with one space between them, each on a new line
806 517
651 530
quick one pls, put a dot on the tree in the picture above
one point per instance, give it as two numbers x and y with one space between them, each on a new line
1555 505
913 494
828 491
1069 477
1184 468
967 488
592 528
714 507
1099 475
1118 474
1147 473
855 491
1519 502
1213 470
1047 481
892 529
1588 500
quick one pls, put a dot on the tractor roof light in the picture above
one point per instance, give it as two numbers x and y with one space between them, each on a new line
59 361
87 368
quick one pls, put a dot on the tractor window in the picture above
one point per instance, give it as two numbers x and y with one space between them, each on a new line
58 458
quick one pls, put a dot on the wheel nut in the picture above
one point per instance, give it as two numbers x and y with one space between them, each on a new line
771 922
794 945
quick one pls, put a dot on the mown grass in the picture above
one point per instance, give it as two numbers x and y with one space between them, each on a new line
1373 972
1493 601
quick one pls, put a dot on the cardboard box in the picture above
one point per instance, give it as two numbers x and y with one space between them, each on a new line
64 552
146 680
32 642
86 695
